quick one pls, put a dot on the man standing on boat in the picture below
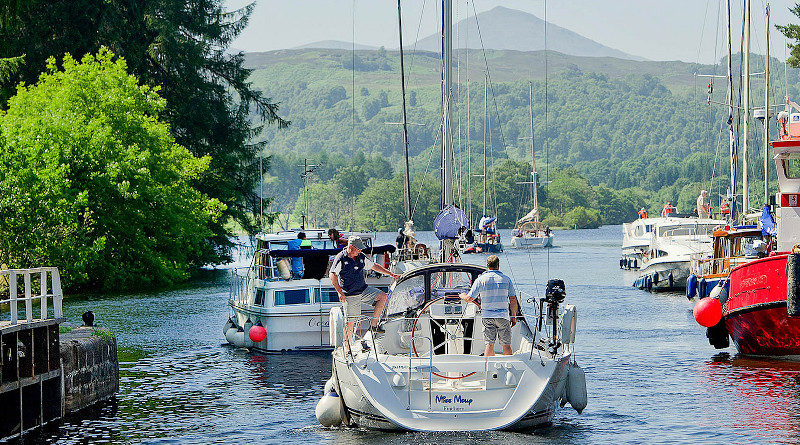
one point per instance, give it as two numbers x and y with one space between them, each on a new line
702 205
498 301
347 277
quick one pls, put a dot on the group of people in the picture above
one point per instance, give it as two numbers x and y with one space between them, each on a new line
702 210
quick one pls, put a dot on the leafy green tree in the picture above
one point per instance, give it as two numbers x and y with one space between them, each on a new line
181 46
94 183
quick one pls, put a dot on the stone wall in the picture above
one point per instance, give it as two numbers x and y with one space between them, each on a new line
90 368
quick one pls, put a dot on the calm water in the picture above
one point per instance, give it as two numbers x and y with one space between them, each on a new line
652 377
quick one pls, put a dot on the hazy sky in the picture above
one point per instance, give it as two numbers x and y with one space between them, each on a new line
654 29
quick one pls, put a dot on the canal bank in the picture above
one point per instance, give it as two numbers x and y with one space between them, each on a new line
47 371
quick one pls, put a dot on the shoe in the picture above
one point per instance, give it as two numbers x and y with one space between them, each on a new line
377 329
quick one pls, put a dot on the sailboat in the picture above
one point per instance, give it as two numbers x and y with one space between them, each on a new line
422 368
529 232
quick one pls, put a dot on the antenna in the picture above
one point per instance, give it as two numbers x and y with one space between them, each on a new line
307 170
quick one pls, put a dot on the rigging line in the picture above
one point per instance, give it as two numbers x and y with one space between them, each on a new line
489 75
416 40
353 66
711 113
697 63
546 132
427 167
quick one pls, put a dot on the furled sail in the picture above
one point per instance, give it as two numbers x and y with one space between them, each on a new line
531 216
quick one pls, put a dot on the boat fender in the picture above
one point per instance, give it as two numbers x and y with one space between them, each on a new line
336 326
701 289
576 387
715 292
569 324
656 278
718 335
622 263
229 324
670 280
648 283
258 333
328 410
793 284
691 286
328 386
635 263
235 336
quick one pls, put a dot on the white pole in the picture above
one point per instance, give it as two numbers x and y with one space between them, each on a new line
12 294
447 67
533 156
731 134
746 107
766 117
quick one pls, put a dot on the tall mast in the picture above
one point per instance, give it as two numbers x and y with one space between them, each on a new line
731 134
766 117
407 191
485 127
533 157
469 150
746 107
447 66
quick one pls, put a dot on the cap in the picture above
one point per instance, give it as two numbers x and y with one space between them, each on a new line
356 241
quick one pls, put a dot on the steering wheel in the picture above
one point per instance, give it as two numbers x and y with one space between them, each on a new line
442 328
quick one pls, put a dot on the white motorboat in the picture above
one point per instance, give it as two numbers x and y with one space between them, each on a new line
636 238
426 370
665 264
292 311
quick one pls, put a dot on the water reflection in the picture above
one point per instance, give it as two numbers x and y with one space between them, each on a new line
765 393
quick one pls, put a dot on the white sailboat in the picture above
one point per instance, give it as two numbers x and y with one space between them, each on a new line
529 231
422 369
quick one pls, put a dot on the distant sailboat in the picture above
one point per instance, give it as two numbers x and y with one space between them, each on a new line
529 231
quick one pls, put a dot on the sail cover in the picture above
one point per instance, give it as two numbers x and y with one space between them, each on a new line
448 221
533 214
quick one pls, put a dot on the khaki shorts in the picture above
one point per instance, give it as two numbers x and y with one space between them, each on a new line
353 303
497 329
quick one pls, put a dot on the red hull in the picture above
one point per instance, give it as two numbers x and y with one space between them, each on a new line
755 313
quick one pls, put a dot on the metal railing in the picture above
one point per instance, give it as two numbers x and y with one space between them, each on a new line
49 289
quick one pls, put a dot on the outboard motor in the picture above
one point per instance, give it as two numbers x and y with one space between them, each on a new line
554 295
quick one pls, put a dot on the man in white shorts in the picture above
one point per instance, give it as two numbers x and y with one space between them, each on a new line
347 277
498 301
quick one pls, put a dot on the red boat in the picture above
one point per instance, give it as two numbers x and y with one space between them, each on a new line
761 308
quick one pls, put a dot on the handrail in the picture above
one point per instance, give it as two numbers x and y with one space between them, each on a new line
47 275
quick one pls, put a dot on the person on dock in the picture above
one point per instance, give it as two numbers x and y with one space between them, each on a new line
347 277
643 213
703 210
499 305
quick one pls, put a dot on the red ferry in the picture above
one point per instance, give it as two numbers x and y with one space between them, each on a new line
761 308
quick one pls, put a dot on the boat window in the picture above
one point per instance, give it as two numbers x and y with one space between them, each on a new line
687 230
407 295
294 296
792 168
326 295
259 297
450 280
278 245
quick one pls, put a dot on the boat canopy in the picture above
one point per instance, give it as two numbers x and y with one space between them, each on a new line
448 221
423 284
309 253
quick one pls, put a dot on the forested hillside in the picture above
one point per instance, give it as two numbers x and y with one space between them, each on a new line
617 123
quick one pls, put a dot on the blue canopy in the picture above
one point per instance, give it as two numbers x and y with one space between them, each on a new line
448 221
768 226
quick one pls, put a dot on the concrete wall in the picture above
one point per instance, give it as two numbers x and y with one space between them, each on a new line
90 368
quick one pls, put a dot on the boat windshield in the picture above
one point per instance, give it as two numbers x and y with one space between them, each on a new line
687 230
411 293
408 294
792 168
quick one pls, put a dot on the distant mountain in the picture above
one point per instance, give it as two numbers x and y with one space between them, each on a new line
511 29
335 44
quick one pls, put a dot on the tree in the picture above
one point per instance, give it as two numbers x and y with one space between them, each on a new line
181 46
792 32
95 183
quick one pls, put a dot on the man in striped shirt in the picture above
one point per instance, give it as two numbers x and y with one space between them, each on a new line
498 302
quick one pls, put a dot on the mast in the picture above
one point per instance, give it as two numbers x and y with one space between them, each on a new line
407 191
469 150
746 107
485 126
447 66
533 157
731 135
766 117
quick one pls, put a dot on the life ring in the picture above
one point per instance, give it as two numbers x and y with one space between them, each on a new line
421 250
414 347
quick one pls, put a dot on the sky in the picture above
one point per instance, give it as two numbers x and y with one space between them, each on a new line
654 29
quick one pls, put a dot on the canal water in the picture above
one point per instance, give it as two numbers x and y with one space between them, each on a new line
651 375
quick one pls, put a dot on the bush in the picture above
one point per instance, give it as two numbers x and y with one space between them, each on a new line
582 218
94 183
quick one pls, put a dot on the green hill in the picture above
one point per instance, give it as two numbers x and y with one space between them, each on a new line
618 123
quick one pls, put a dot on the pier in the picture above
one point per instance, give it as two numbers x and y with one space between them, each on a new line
41 378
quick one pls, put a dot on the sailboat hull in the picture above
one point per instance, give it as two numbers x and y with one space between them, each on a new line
523 242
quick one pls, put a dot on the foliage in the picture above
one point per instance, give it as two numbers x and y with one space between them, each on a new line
95 183
179 45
